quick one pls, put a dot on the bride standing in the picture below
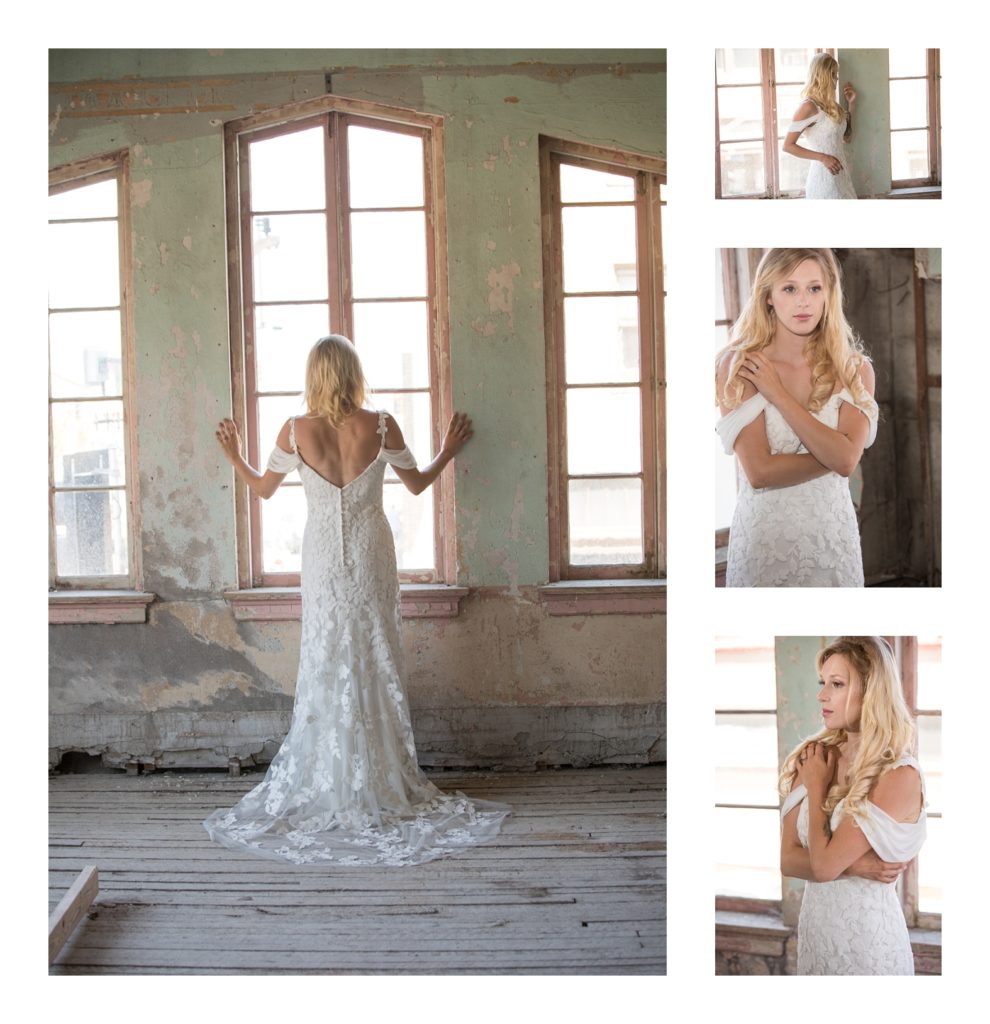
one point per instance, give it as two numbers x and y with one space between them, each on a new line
853 815
345 787
795 390
825 128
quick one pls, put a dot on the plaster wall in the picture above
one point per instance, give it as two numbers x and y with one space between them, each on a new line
504 682
870 147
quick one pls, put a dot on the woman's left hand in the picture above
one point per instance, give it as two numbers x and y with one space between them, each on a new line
816 767
850 94
762 374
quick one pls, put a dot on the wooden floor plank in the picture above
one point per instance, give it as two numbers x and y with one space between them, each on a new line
574 884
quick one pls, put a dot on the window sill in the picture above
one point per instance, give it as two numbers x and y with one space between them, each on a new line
605 597
278 604
916 192
98 606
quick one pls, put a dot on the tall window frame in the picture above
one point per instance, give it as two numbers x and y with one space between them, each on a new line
336 114
114 166
771 123
906 652
933 127
648 174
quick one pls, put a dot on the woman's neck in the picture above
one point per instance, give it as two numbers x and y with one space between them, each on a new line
786 347
850 748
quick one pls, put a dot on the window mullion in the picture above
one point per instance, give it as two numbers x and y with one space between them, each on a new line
338 218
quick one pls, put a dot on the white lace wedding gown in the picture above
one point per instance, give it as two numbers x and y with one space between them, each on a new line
824 135
804 535
855 925
345 787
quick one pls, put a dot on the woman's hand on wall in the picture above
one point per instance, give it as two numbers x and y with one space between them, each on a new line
229 439
458 433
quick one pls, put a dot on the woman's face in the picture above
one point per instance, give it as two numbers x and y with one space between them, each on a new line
798 298
840 694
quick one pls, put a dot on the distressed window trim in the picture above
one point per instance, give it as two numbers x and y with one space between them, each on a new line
73 607
284 604
605 597
271 121
771 122
650 175
90 170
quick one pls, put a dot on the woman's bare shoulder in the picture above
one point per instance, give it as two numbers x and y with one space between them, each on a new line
807 109
898 792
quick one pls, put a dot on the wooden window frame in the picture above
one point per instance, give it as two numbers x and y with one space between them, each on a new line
771 123
648 173
111 590
933 78
905 650
336 112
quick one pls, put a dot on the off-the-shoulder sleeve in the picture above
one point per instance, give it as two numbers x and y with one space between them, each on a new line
792 799
282 461
403 458
729 426
870 411
891 839
799 126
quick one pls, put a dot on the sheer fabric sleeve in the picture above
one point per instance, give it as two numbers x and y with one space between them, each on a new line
799 126
792 799
870 411
729 426
402 457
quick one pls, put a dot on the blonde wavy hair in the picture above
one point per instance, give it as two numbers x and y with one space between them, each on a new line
823 74
834 352
886 729
335 384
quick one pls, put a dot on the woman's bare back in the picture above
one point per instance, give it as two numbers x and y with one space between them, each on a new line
339 454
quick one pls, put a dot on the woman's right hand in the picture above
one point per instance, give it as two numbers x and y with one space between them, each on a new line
458 434
831 163
870 866
229 439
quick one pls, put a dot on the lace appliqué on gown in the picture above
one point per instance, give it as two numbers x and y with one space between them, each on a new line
854 925
822 134
804 535
345 787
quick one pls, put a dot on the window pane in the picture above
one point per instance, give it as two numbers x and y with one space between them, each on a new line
287 172
388 255
721 340
931 869
745 674
930 673
606 522
283 518
91 533
601 339
599 248
791 64
84 353
748 853
793 170
586 185
907 60
746 759
290 257
412 413
384 168
930 757
789 99
83 265
272 414
411 518
603 430
742 168
88 443
908 155
283 336
720 312
909 104
392 339
96 200
732 66
740 113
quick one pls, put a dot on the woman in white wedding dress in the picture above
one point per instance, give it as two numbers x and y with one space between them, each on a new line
853 815
824 128
795 393
345 787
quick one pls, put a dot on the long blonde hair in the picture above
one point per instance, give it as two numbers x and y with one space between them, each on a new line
835 352
886 729
820 85
335 384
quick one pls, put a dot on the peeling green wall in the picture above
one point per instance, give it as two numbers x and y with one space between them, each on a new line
192 658
870 145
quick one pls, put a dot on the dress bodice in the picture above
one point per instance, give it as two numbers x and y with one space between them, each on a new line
821 133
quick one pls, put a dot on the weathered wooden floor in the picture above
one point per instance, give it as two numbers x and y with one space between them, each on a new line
575 884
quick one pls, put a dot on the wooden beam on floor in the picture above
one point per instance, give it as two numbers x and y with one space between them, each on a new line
71 909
